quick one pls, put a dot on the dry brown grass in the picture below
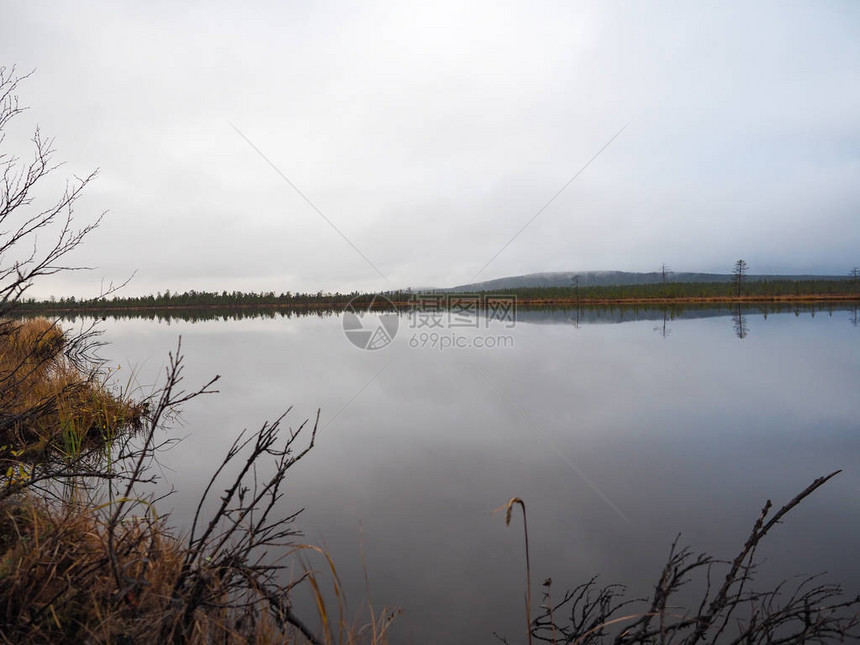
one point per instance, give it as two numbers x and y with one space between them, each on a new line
49 404
76 569
56 585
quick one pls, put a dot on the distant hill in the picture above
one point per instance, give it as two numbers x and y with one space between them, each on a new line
613 278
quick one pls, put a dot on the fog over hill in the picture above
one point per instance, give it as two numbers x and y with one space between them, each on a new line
613 278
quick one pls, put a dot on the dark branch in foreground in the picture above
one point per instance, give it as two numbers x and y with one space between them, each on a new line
809 612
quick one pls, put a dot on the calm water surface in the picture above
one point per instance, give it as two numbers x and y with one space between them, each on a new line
617 436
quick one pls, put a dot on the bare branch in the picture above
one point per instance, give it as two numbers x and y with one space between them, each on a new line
811 612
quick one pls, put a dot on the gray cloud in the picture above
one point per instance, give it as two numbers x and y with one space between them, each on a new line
429 134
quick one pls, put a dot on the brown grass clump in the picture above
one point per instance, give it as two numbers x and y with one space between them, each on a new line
55 582
49 404
83 558
57 585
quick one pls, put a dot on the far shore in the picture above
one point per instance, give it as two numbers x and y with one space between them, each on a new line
97 309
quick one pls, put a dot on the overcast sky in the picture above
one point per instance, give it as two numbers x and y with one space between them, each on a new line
429 134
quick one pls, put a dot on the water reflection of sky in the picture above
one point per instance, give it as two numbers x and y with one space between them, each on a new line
686 433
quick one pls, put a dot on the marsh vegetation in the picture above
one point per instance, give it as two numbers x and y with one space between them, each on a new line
87 554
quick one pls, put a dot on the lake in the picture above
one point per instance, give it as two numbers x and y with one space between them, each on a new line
619 429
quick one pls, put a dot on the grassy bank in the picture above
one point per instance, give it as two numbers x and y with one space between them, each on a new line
237 303
52 407
85 558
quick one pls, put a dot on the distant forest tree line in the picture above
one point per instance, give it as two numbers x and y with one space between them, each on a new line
848 288
193 298
737 288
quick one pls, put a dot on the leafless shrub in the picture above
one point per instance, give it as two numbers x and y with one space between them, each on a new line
729 611
79 561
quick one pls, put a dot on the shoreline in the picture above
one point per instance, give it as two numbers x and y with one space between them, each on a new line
566 302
